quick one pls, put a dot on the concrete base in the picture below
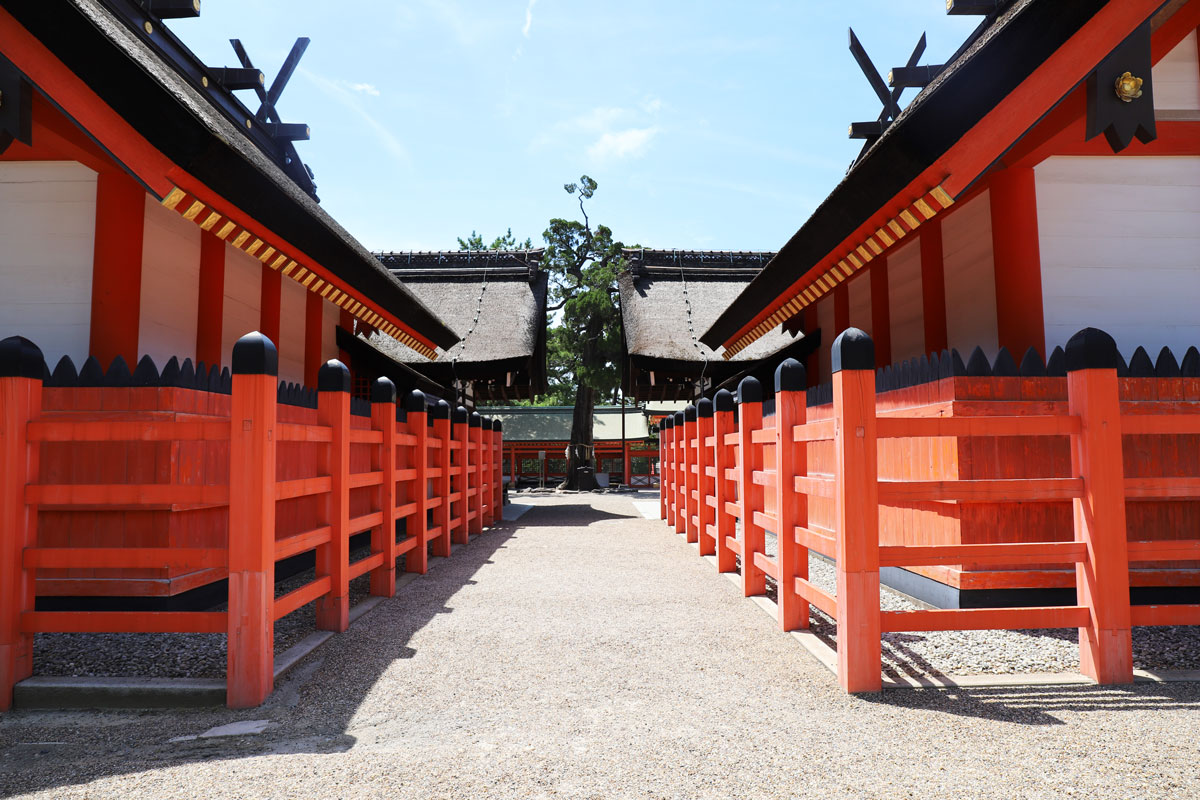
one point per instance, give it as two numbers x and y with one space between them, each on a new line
61 693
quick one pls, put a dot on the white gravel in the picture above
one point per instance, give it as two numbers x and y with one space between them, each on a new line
588 653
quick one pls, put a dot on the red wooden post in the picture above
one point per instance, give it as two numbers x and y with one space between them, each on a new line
664 468
21 365
210 299
474 461
750 494
270 303
1105 647
383 538
117 267
725 490
856 512
486 448
314 323
498 471
417 559
680 510
441 473
460 487
251 650
933 286
791 506
705 488
1016 253
689 506
333 559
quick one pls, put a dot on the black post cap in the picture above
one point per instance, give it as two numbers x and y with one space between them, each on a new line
475 420
852 349
497 425
679 418
1092 348
334 376
21 358
724 400
255 354
689 413
458 416
704 408
414 403
790 376
749 390
666 423
383 391
441 410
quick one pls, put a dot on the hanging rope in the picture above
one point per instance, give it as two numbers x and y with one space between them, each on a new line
687 304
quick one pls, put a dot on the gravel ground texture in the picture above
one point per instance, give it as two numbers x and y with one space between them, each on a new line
586 652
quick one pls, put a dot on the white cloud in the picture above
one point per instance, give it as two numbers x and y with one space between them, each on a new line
365 88
629 143
528 18
652 105
348 94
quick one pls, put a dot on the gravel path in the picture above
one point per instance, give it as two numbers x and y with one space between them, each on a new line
587 652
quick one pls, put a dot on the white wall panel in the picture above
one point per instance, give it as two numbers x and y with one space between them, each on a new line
859 290
291 331
170 285
243 293
1120 247
970 279
828 334
1177 78
47 243
905 301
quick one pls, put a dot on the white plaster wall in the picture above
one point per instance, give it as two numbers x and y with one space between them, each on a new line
859 291
905 301
970 279
828 334
330 314
170 285
1120 247
47 243
291 331
243 292
1177 78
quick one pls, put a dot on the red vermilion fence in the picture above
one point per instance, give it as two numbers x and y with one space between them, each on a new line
812 476
102 483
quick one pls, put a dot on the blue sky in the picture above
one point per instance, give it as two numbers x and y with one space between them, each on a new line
707 125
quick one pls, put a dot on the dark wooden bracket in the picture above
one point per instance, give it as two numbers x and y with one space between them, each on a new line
16 106
1107 113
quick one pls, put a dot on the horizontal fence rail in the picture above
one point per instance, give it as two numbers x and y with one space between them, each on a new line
272 471
811 475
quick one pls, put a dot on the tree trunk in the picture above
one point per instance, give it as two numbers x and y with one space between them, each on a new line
581 449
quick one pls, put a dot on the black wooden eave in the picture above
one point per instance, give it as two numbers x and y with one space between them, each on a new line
936 120
155 113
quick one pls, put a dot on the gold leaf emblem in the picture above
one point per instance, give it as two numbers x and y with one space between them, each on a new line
1128 88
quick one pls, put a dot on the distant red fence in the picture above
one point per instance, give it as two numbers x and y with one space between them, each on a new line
131 479
876 481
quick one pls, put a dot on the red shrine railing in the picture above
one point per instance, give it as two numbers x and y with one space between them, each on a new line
814 476
134 476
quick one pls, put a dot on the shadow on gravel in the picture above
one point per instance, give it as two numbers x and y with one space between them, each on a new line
578 512
1039 705
309 711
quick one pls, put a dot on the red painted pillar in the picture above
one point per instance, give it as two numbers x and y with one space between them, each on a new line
813 362
441 475
791 507
417 559
473 462
1102 582
333 559
881 311
1016 253
117 268
498 471
856 512
251 635
270 297
705 490
20 403
750 494
841 308
933 286
346 323
690 483
383 538
680 437
460 480
724 459
314 322
664 468
211 299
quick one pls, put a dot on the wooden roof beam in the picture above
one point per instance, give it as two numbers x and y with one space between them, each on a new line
174 9
966 8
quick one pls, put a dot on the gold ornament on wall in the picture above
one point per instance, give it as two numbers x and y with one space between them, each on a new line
1128 88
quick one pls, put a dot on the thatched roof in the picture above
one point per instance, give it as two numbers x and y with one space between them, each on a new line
553 423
